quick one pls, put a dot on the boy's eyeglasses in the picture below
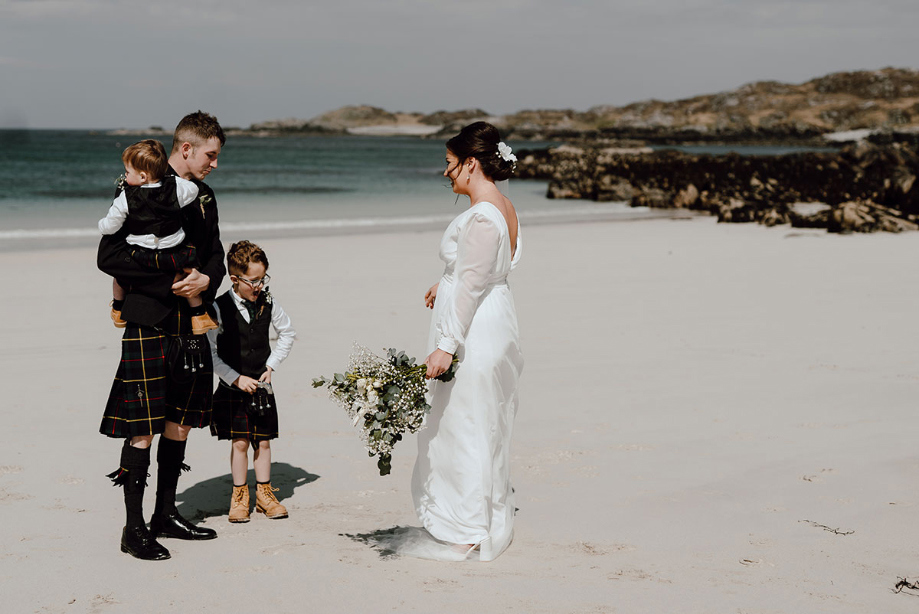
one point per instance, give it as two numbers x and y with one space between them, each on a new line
255 283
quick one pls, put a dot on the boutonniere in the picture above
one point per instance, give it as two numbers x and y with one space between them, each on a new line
204 199
266 300
120 182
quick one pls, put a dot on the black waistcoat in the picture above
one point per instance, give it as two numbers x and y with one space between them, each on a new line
244 345
153 211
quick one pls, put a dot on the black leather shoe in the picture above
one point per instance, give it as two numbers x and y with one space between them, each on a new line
173 525
139 543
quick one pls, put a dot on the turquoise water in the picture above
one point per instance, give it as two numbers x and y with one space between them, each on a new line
63 180
57 184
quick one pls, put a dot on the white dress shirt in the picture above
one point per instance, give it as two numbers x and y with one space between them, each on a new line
187 193
280 321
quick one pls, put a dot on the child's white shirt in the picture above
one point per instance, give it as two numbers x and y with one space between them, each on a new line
186 191
279 320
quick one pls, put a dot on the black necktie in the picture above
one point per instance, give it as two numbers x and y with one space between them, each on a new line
252 308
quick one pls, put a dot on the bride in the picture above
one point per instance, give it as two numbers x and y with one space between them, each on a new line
461 482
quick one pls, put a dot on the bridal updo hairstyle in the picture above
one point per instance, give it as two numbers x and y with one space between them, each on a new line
480 141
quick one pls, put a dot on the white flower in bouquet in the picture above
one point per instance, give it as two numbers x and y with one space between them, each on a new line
385 397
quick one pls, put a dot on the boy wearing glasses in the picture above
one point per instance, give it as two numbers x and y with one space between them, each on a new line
244 409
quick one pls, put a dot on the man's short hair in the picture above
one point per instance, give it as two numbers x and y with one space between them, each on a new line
241 254
197 128
147 156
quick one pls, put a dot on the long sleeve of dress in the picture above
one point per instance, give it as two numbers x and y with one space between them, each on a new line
286 335
476 258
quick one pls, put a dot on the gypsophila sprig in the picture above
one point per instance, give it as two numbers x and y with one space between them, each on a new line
120 182
384 397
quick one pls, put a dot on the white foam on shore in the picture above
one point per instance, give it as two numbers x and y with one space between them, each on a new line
606 211
48 233
849 136
394 130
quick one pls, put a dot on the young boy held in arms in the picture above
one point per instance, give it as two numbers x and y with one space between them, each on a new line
150 204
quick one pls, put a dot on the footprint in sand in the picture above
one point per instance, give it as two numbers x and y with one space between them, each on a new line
283 548
438 584
817 477
599 550
99 601
636 574
7 496
751 562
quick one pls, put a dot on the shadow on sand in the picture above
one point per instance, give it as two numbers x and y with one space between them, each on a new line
413 542
384 541
212 497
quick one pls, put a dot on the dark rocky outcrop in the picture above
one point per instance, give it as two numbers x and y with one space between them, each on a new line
864 187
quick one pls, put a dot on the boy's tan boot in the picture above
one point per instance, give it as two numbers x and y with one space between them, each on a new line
116 319
202 324
239 504
267 503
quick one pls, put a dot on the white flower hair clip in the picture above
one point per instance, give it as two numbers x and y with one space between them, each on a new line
504 150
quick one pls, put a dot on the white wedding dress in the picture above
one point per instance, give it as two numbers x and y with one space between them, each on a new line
461 482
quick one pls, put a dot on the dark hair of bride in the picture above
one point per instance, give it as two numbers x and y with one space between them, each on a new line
480 141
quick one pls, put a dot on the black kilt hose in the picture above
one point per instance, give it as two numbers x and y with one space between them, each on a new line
145 394
240 415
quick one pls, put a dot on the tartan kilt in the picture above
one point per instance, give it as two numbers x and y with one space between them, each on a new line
172 259
145 395
235 418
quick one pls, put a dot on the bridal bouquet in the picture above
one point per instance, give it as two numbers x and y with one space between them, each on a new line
385 396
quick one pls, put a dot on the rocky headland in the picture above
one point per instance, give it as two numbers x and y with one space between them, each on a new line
854 104
843 106
770 111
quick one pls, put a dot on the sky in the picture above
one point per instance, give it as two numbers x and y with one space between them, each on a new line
128 64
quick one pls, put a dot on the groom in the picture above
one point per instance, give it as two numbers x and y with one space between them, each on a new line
155 320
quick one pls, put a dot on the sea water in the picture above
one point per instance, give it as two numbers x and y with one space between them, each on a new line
56 184
61 182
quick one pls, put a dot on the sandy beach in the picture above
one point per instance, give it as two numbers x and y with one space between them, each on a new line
700 404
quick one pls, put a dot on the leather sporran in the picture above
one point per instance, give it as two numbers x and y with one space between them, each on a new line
261 401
